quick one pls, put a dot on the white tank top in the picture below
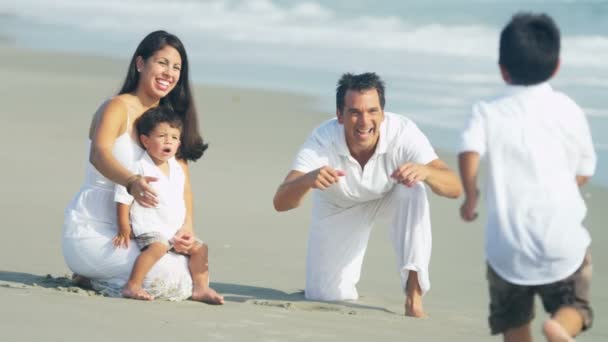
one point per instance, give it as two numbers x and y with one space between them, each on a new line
94 203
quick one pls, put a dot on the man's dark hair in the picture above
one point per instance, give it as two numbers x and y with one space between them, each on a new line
529 48
153 117
361 82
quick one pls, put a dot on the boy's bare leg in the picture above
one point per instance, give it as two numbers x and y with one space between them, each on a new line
413 297
564 324
199 268
142 266
519 334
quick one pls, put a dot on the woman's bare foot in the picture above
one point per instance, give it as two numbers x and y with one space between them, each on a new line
207 295
81 281
554 332
413 307
135 292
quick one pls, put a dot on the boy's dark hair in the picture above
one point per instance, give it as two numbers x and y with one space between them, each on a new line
529 48
153 117
366 81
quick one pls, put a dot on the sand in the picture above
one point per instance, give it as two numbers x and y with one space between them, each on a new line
256 255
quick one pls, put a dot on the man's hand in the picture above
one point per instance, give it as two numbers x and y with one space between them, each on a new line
297 184
468 209
409 174
322 178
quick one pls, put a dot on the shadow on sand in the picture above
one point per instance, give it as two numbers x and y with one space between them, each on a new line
272 297
237 293
33 280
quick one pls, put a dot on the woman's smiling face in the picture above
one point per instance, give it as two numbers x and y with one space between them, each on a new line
159 74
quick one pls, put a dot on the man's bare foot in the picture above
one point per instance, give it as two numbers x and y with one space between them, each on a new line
207 295
413 297
554 332
135 292
413 307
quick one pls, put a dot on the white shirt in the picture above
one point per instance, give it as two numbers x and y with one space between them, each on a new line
400 141
535 140
169 215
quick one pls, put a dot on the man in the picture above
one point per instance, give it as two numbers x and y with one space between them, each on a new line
365 164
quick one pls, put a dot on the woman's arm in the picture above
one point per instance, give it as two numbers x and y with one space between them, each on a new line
107 126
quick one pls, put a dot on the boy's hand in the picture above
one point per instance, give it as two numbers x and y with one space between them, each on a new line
183 240
468 209
121 240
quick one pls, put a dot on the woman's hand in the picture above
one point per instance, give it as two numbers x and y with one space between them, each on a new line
183 240
142 191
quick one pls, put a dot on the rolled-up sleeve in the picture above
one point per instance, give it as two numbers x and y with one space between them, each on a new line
473 137
415 146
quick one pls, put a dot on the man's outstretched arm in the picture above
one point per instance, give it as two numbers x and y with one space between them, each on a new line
436 174
297 184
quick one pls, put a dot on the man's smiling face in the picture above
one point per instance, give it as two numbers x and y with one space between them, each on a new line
361 117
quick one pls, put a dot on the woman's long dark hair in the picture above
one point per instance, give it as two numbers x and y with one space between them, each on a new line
179 99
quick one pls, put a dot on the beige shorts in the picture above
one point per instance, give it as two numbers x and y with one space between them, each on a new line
146 239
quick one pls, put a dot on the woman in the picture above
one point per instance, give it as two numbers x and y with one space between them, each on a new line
157 74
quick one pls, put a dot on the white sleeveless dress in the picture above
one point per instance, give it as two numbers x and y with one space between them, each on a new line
89 226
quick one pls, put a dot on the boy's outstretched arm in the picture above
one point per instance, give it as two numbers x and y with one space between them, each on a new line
468 163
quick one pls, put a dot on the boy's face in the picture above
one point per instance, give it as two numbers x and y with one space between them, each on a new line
162 143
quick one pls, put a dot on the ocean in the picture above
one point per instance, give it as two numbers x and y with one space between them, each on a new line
437 57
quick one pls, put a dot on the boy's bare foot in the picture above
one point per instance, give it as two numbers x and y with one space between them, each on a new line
554 332
136 292
207 295
413 307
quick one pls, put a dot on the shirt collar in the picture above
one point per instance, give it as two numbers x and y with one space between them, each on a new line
342 146
520 89
150 168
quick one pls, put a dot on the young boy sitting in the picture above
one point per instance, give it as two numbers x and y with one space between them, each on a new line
538 149
159 131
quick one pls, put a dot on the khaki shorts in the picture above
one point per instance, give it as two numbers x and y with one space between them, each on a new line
146 239
512 306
